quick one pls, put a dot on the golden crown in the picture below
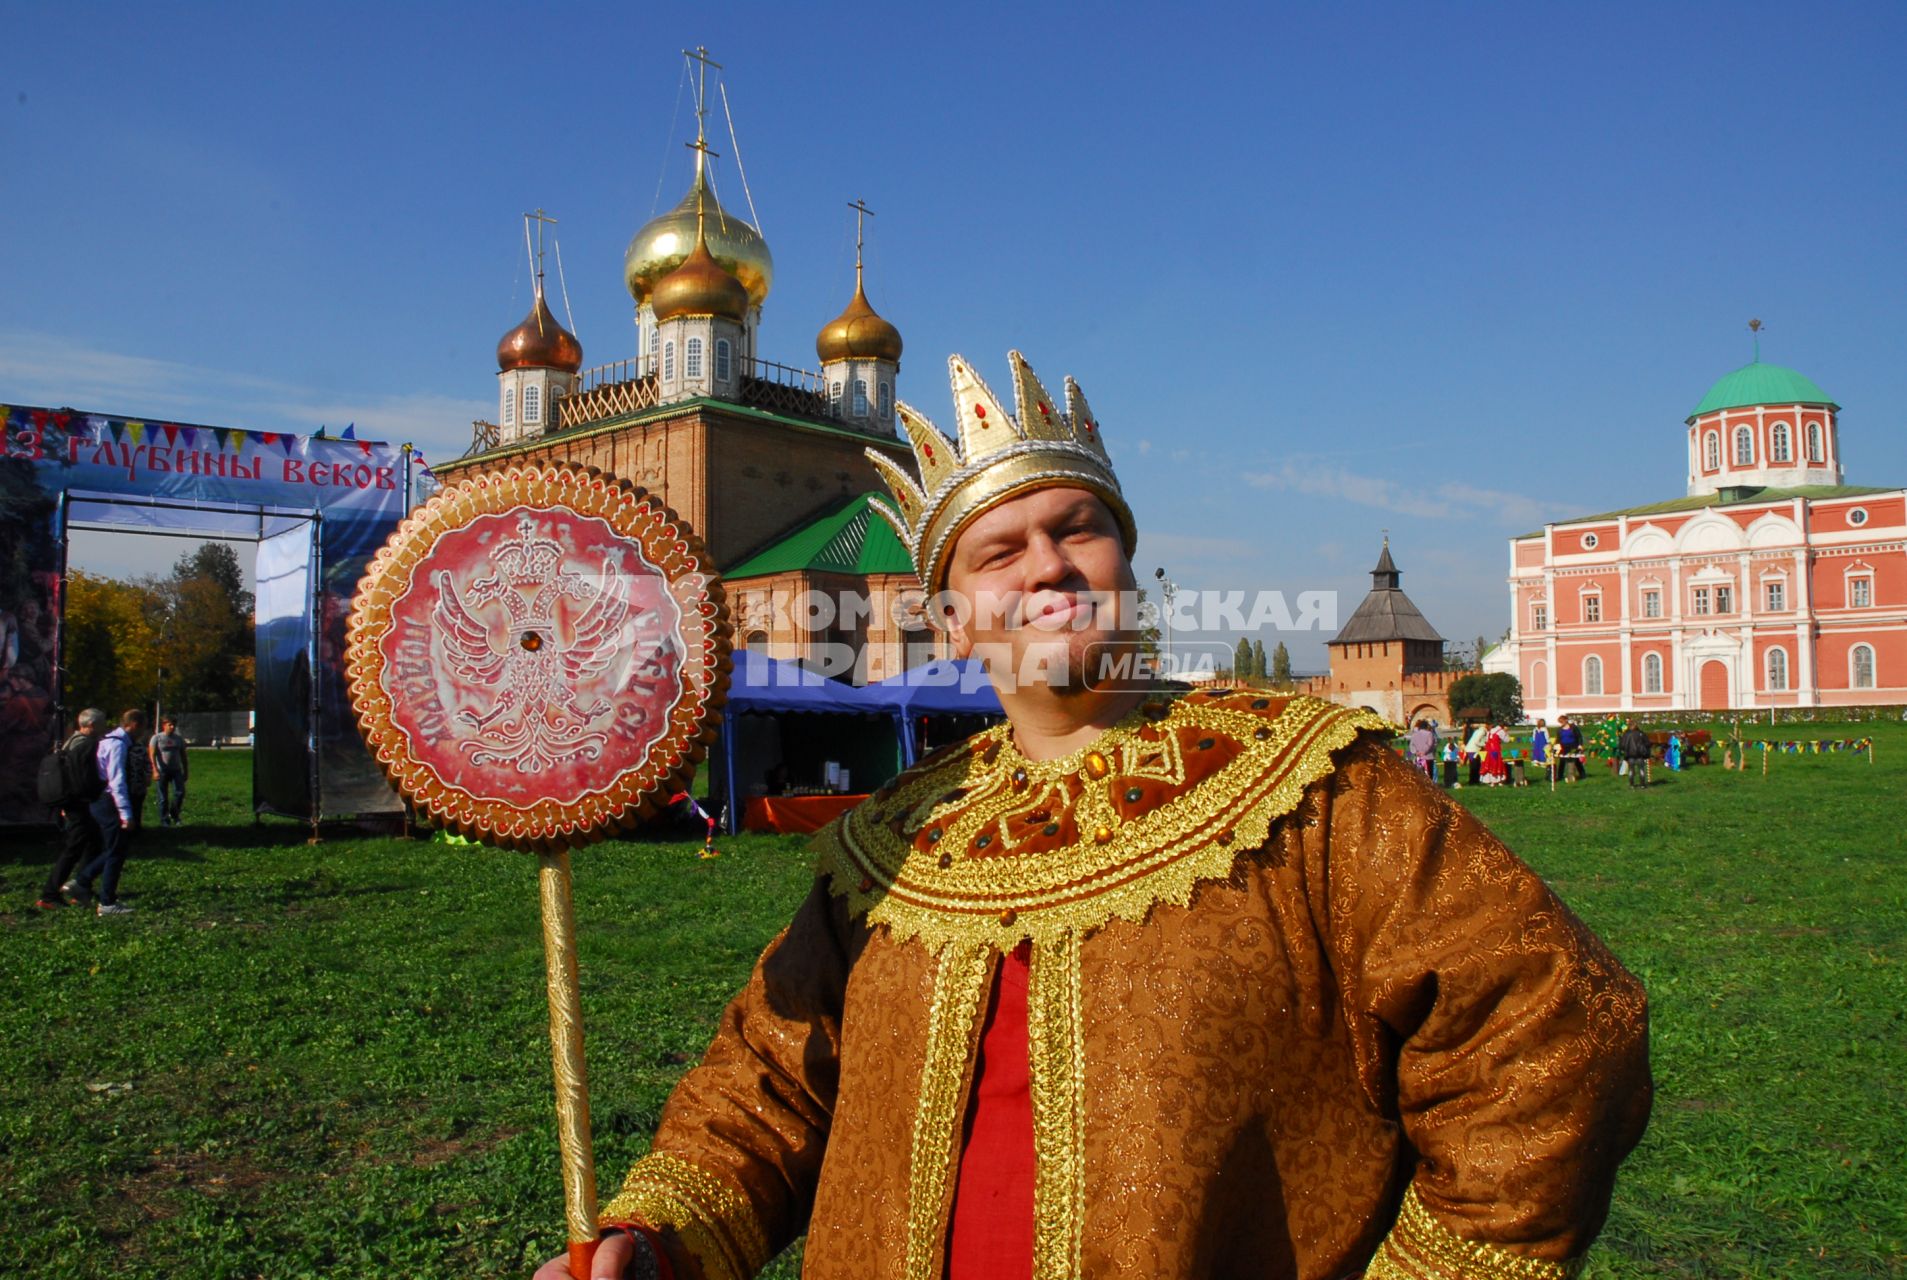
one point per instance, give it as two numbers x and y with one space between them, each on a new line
997 456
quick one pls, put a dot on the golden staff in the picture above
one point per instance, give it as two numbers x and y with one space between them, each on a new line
566 1058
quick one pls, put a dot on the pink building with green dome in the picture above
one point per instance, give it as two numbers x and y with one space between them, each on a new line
1770 583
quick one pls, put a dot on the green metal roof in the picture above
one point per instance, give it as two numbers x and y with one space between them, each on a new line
1760 383
849 539
1696 503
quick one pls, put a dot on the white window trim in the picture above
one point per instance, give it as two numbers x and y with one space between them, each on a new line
1744 432
692 358
1873 667
724 360
668 361
1712 451
532 404
1817 451
1768 669
1773 579
509 407
1858 570
1780 442
1652 664
1539 615
1596 692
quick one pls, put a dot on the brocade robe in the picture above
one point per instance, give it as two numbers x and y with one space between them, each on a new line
1289 1013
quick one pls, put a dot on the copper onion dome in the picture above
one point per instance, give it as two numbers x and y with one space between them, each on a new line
859 333
540 343
699 287
664 243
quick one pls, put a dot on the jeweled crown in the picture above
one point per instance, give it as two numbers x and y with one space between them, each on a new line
996 456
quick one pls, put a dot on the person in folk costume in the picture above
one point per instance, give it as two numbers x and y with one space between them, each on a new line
1130 987
1607 742
1473 752
1450 761
1494 774
1422 743
1539 745
1672 753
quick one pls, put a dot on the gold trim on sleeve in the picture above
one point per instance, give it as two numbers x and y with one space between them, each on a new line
960 989
710 1218
1421 1248
1057 1063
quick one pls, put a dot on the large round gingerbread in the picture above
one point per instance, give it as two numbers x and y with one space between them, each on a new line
536 656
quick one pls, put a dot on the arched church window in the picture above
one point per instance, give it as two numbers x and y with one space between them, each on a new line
1778 670
1651 673
655 336
533 403
887 399
1814 442
1744 447
1860 661
1592 675
834 396
724 360
692 359
509 406
668 361
1781 444
860 397
1712 452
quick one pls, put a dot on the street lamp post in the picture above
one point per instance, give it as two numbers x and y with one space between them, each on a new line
1167 590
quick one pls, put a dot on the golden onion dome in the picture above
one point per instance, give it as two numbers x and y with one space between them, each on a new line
859 333
663 244
699 287
540 343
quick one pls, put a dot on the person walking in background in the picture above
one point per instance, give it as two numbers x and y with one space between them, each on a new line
1473 752
1539 745
1672 754
1569 749
79 833
138 777
1635 753
1450 763
1422 743
113 812
165 752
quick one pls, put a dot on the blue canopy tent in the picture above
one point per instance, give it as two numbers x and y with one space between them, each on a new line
763 690
942 687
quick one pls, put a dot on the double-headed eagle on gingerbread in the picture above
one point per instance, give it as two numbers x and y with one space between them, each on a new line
534 720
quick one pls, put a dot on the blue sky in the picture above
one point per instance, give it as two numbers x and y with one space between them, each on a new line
1448 270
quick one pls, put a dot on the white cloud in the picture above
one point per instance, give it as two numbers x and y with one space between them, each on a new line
1328 480
41 369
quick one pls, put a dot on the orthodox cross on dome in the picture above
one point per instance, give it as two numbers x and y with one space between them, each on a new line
536 256
1755 327
701 54
861 214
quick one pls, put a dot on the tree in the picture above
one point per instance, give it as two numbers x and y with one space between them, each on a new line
1258 659
204 616
1241 660
1477 658
111 645
1499 694
1281 666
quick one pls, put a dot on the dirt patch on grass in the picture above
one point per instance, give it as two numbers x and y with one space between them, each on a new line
438 1150
157 1188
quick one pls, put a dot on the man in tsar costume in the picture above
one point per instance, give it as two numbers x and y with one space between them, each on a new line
1130 987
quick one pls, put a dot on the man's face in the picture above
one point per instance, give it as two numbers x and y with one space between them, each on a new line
1042 575
167 726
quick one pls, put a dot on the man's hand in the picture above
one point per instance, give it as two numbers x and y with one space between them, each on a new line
613 1255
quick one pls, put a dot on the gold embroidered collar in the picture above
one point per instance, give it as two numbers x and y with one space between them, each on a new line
979 844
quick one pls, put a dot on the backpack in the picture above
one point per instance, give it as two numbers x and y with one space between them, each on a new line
65 778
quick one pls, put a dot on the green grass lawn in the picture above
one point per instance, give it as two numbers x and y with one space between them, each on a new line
317 1061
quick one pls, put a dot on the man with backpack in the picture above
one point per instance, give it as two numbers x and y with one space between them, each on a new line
113 811
70 781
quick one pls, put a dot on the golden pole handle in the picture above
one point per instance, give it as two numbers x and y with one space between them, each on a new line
566 1055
